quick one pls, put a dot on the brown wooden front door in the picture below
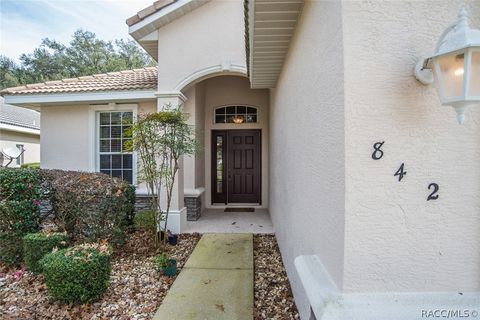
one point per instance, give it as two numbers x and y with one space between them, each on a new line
236 166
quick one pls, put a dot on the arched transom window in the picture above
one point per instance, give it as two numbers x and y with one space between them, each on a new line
236 114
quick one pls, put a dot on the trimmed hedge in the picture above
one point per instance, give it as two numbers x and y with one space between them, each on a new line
36 245
78 274
20 194
90 206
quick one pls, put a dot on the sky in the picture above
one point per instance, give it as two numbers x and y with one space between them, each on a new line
24 23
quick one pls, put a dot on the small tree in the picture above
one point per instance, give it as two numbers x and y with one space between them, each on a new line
161 139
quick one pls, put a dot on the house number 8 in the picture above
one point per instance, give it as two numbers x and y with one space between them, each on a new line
377 154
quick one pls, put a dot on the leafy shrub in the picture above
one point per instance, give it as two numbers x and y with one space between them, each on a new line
36 245
90 206
160 261
20 194
145 220
78 274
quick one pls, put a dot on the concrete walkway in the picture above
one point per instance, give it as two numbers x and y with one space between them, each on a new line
216 220
215 283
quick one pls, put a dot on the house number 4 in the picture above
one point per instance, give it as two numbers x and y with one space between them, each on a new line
377 154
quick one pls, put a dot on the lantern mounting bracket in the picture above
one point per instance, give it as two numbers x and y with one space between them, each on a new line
423 73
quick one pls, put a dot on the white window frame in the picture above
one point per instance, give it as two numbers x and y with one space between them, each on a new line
21 159
95 111
235 105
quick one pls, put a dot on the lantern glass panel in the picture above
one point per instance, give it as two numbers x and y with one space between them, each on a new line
451 74
474 89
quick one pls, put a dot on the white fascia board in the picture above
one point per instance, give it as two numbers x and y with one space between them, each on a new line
91 97
163 17
9 127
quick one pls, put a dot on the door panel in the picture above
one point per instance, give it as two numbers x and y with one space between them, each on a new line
243 166
236 166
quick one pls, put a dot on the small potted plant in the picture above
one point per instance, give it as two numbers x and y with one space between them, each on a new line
167 266
172 238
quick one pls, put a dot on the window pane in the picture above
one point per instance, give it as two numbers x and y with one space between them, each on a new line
116 117
228 114
104 132
116 145
104 118
126 145
127 131
117 161
475 75
127 176
116 131
106 172
127 118
219 163
220 119
104 145
105 161
117 173
241 110
451 68
127 161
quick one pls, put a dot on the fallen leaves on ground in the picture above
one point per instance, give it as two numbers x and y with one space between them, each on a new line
135 292
136 289
273 295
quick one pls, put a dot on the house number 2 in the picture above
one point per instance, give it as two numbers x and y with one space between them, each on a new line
400 173
433 195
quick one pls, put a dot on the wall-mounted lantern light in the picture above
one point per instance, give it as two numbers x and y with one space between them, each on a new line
455 66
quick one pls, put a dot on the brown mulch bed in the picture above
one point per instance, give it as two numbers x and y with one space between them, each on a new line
137 289
273 295
135 292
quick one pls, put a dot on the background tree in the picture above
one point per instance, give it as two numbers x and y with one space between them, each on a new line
84 55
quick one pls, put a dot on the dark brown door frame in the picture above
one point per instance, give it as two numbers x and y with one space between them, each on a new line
217 198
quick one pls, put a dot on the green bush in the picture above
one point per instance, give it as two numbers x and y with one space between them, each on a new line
36 245
145 220
32 165
20 194
90 206
78 274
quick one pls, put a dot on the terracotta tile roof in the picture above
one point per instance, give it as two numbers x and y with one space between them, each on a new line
136 79
155 7
19 117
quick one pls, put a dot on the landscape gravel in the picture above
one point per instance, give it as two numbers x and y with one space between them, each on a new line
136 289
273 295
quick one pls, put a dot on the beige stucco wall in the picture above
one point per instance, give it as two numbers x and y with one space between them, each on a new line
64 139
307 167
206 37
395 239
227 90
68 135
31 143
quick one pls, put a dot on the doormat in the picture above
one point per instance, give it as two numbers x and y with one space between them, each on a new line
239 210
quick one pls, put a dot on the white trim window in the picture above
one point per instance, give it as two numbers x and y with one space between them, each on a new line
236 114
113 133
